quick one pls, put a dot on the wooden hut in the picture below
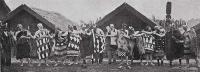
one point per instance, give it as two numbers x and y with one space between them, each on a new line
125 14
4 9
30 17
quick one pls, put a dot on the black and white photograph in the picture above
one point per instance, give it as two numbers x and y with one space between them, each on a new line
99 35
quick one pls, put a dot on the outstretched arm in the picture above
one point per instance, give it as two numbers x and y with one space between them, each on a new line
139 34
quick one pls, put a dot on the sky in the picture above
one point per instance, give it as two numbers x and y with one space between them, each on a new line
87 10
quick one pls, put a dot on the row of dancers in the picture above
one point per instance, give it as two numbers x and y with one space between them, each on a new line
76 44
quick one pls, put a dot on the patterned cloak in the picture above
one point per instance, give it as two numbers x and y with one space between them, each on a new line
60 48
122 44
149 43
98 42
187 43
194 42
43 43
74 44
159 45
132 43
140 45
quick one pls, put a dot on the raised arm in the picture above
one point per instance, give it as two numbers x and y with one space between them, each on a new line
161 34
36 35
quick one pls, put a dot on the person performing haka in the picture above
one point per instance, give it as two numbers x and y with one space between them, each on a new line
107 39
98 39
123 50
140 45
42 37
7 40
112 51
60 48
149 45
133 34
86 45
74 45
159 35
23 47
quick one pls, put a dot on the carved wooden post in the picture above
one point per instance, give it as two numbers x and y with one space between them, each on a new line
168 15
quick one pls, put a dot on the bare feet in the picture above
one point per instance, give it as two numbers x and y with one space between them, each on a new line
64 64
31 65
39 64
22 64
47 64
120 67
70 63
56 64
152 64
129 67
146 64
141 63
198 65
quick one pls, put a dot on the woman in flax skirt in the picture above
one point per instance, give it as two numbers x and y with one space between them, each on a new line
43 40
187 45
137 44
74 45
23 47
123 50
60 48
194 45
159 35
86 44
140 45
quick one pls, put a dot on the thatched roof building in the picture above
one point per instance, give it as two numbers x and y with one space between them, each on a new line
125 14
4 9
197 28
32 16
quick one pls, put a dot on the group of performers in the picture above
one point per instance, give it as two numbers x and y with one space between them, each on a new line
125 43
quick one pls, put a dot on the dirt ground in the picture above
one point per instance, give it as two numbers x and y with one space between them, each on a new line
136 67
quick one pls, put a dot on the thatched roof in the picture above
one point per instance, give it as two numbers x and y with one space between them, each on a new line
129 9
55 18
197 27
4 9
51 19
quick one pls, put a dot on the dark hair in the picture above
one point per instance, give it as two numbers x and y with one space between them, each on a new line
124 25
74 27
147 28
185 28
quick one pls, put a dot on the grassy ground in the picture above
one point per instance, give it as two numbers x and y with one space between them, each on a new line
136 67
